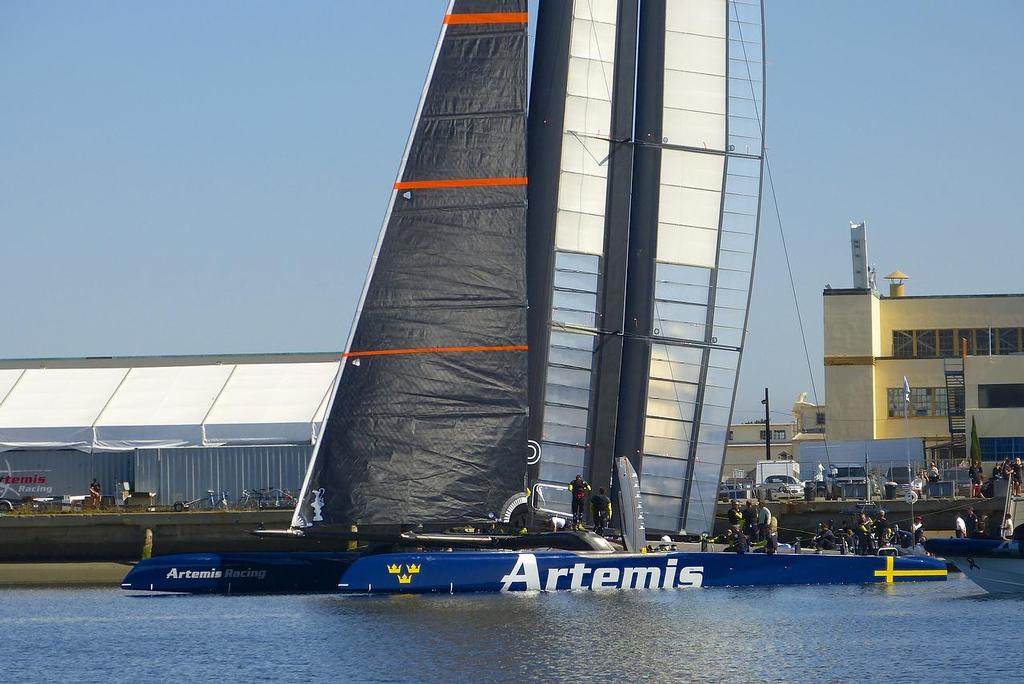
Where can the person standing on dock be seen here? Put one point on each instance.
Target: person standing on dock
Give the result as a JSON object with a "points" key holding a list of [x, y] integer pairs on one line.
{"points": [[578, 489], [976, 477], [601, 509], [1007, 529], [95, 493]]}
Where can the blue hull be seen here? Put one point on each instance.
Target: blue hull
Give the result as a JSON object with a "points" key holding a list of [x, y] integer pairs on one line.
{"points": [[240, 573], [503, 571]]}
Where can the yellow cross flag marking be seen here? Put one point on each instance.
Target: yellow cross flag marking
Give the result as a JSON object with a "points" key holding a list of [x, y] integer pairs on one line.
{"points": [[891, 573]]}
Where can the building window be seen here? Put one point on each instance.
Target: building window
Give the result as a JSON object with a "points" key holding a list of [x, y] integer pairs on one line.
{"points": [[925, 343], [778, 435], [1007, 340], [983, 341], [1001, 396], [762, 435], [949, 342], [946, 347], [925, 402], [731, 438], [903, 344], [819, 418], [998, 448]]}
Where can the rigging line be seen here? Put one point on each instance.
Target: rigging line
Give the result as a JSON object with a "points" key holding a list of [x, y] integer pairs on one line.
{"points": [[579, 139], [778, 213]]}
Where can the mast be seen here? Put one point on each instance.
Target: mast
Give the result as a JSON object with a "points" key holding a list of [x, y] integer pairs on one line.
{"points": [[692, 238], [427, 420]]}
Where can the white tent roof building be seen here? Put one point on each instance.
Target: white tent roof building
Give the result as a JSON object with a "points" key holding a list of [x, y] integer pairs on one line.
{"points": [[120, 404]]}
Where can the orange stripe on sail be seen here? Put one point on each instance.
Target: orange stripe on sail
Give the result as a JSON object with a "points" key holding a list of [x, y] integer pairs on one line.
{"points": [[460, 183], [433, 350], [488, 18]]}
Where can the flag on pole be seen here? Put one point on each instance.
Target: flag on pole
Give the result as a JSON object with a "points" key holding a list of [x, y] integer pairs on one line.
{"points": [[906, 390]]}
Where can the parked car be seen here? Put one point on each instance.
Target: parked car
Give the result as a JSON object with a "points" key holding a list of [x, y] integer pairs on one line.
{"points": [[735, 490], [9, 503], [781, 487]]}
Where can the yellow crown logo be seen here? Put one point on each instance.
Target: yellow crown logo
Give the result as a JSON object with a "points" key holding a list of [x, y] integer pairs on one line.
{"points": [[394, 569], [413, 569], [404, 579]]}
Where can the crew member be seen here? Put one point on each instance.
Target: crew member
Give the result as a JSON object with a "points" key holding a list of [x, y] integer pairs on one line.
{"points": [[750, 520], [918, 530], [578, 488], [865, 531], [95, 493], [601, 509], [734, 514], [825, 539], [764, 523], [737, 540], [883, 529]]}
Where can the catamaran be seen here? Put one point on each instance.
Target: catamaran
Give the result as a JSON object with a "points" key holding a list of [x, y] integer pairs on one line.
{"points": [[552, 294]]}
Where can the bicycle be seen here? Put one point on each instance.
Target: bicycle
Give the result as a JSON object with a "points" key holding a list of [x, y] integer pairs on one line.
{"points": [[283, 498], [208, 502], [252, 499]]}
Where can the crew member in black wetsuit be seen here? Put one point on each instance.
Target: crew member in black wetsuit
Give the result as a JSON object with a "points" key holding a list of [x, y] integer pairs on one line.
{"points": [[735, 515], [750, 520], [578, 489], [737, 541], [601, 509]]}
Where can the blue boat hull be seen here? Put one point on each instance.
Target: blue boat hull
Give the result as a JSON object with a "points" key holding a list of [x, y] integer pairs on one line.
{"points": [[505, 571], [240, 573]]}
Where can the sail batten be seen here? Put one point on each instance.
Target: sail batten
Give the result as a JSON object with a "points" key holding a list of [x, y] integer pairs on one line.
{"points": [[427, 422]]}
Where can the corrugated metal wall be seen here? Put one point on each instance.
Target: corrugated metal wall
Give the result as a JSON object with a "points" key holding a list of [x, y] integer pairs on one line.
{"points": [[186, 474], [60, 472]]}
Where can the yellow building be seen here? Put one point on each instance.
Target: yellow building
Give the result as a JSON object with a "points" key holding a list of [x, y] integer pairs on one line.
{"points": [[872, 342]]}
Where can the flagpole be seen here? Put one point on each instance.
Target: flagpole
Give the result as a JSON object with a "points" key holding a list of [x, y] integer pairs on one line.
{"points": [[910, 472]]}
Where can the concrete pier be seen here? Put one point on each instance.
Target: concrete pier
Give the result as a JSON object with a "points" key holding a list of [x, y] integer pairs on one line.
{"points": [[121, 537]]}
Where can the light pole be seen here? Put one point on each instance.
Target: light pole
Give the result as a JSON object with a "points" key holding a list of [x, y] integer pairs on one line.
{"points": [[767, 427]]}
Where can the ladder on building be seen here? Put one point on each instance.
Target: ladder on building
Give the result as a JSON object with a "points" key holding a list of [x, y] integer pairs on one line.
{"points": [[955, 406]]}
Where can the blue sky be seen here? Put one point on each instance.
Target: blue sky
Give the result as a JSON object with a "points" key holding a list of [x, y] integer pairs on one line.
{"points": [[210, 177]]}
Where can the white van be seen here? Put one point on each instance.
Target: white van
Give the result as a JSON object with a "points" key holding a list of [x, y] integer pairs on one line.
{"points": [[852, 477]]}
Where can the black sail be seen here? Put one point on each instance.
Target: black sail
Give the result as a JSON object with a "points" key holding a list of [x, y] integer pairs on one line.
{"points": [[428, 419]]}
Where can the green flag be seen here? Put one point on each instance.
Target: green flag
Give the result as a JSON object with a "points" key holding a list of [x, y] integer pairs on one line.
{"points": [[975, 445]]}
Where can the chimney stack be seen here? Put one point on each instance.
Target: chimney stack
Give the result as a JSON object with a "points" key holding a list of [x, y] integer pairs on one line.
{"points": [[896, 279]]}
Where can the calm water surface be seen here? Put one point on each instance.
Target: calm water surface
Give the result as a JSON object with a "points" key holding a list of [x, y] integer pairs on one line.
{"points": [[785, 634]]}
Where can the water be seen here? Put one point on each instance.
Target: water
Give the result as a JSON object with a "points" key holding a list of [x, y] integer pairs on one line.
{"points": [[794, 634]]}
